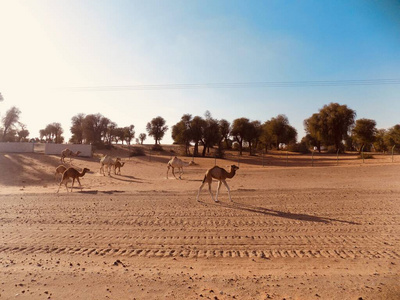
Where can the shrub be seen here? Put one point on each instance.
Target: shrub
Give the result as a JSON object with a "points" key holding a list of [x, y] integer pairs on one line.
{"points": [[299, 147], [157, 148], [366, 156], [137, 151]]}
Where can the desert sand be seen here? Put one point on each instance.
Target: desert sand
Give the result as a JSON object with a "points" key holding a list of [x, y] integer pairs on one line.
{"points": [[292, 231]]}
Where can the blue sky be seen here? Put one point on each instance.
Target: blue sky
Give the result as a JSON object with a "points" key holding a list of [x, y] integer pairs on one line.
{"points": [[47, 47]]}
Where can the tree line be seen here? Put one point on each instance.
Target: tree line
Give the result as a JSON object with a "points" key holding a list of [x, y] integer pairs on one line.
{"points": [[334, 127]]}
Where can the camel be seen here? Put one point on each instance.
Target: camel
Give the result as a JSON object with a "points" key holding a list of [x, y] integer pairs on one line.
{"points": [[68, 153], [118, 165], [74, 174], [179, 164], [220, 174], [109, 162], [60, 170]]}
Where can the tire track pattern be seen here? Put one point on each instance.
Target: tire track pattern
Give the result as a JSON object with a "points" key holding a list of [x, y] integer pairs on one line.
{"points": [[187, 253], [150, 225]]}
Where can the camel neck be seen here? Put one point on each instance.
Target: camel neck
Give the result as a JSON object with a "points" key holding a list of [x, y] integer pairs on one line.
{"points": [[231, 173]]}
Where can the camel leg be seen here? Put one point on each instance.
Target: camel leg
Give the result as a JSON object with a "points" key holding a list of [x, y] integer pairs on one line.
{"points": [[59, 186], [167, 170], [80, 185], [173, 172], [229, 191], [65, 181], [198, 193], [209, 190], [218, 187], [180, 173], [73, 181]]}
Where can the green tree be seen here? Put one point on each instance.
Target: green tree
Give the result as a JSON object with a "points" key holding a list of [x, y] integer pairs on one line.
{"points": [[157, 128], [224, 132], [197, 126], [364, 132], [239, 131], [253, 135], [281, 131], [181, 132], [313, 128], [336, 121], [266, 137], [392, 138], [210, 136], [379, 143]]}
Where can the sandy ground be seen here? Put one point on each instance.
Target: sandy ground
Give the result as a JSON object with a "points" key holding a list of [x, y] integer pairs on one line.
{"points": [[293, 231]]}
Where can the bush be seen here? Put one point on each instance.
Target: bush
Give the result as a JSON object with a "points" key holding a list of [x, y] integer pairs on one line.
{"points": [[299, 147], [366, 156], [157, 148], [136, 151]]}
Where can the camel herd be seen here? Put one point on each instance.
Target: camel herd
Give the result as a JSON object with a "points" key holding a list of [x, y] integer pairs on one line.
{"points": [[108, 162]]}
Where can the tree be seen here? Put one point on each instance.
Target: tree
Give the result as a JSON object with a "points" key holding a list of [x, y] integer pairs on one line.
{"points": [[181, 132], [313, 128], [197, 126], [364, 132], [266, 137], [23, 133], [253, 135], [111, 132], [142, 138], [95, 128], [239, 131], [336, 121], [278, 131], [129, 133], [210, 135], [77, 129], [379, 143], [224, 131], [157, 128], [9, 121], [392, 138]]}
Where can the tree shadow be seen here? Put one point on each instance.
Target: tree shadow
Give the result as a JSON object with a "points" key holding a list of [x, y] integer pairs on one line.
{"points": [[281, 214]]}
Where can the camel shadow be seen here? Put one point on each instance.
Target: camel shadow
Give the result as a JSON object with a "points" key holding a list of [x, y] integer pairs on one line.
{"points": [[111, 192], [126, 178], [281, 214]]}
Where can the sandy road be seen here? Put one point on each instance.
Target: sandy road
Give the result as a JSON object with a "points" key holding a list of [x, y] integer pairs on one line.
{"points": [[292, 233]]}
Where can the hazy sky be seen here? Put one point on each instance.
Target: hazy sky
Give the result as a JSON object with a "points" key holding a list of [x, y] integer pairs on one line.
{"points": [[58, 58]]}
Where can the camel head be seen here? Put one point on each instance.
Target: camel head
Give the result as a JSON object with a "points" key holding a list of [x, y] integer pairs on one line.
{"points": [[234, 168]]}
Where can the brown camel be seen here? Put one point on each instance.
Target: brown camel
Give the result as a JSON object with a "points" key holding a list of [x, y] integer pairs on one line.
{"points": [[118, 165], [220, 174], [60, 170], [74, 174], [68, 153]]}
